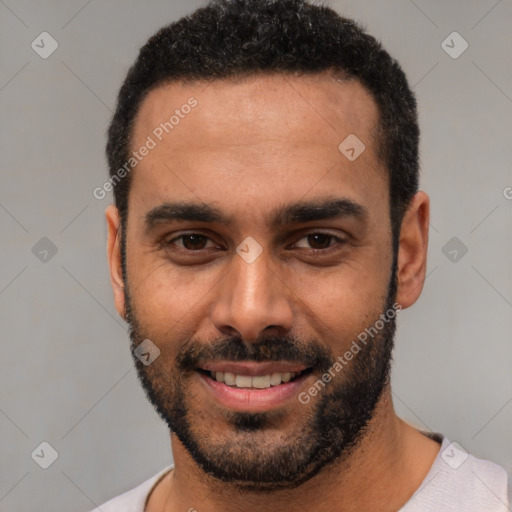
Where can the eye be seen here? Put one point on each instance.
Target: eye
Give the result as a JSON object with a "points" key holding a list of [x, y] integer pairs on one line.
{"points": [[319, 241], [192, 242]]}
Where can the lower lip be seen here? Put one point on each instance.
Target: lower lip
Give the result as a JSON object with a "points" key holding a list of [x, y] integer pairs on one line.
{"points": [[253, 400]]}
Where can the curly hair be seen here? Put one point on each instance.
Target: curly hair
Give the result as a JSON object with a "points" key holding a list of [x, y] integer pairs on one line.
{"points": [[227, 38]]}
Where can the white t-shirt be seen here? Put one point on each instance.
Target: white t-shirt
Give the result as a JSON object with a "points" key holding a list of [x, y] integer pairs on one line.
{"points": [[456, 482]]}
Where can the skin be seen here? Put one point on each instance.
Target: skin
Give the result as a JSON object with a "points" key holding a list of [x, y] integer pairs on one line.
{"points": [[249, 147]]}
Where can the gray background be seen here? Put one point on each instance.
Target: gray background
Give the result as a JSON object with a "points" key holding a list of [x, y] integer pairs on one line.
{"points": [[66, 372]]}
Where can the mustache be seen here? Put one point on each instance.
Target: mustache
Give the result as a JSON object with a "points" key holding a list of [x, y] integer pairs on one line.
{"points": [[269, 349]]}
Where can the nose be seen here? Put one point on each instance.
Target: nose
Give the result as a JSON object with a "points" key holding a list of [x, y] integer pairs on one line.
{"points": [[252, 298]]}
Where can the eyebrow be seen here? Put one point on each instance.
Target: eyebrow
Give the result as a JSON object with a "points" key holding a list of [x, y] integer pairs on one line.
{"points": [[300, 212]]}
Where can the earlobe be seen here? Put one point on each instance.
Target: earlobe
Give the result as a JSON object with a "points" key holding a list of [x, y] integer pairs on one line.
{"points": [[114, 258], [412, 252]]}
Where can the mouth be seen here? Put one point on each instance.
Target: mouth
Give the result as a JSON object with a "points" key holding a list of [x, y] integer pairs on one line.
{"points": [[253, 386], [256, 381]]}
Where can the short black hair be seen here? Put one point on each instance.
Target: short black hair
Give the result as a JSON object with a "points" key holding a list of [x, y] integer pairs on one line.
{"points": [[229, 38]]}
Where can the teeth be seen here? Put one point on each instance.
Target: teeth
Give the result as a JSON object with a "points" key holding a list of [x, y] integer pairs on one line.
{"points": [[230, 379], [243, 381], [275, 379], [259, 382]]}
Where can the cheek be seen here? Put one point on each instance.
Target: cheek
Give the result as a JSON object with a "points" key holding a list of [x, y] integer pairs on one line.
{"points": [[341, 302], [167, 298]]}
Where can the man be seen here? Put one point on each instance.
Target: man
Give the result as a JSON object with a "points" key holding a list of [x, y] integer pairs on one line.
{"points": [[267, 230]]}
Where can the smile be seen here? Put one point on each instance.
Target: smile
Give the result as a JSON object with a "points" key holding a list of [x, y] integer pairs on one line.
{"points": [[256, 382], [252, 386]]}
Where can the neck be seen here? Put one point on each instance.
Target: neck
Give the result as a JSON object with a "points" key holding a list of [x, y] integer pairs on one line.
{"points": [[391, 455]]}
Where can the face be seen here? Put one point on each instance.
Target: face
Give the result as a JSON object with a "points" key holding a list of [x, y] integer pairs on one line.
{"points": [[256, 254]]}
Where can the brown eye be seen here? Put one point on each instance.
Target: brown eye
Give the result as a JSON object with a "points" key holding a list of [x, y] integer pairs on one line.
{"points": [[318, 241], [192, 242]]}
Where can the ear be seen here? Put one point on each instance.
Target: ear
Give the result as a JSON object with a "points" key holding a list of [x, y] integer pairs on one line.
{"points": [[114, 258], [412, 252]]}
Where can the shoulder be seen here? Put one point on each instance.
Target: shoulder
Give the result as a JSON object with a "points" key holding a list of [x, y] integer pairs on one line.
{"points": [[133, 500], [461, 481]]}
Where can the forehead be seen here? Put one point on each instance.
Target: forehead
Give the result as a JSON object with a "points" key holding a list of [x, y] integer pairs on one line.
{"points": [[275, 104], [264, 135]]}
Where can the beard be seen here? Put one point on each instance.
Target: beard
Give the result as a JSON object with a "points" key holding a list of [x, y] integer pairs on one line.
{"points": [[252, 451]]}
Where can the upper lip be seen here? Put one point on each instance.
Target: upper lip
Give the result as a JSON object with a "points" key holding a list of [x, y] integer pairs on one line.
{"points": [[252, 368]]}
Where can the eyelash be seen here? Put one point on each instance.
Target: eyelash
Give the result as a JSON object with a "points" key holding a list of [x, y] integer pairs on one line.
{"points": [[336, 239]]}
